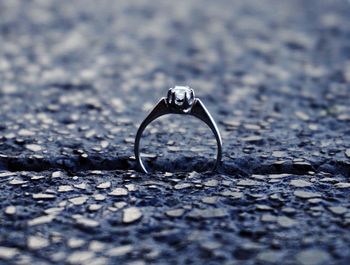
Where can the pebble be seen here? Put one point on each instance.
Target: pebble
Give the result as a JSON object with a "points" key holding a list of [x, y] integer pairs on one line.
{"points": [[94, 207], [181, 186], [37, 242], [17, 182], [75, 242], [270, 257], [339, 210], [10, 210], [7, 253], [120, 250], [33, 147], [41, 220], [253, 139], [208, 213], [300, 183], [86, 222], [248, 182], [342, 185], [306, 194], [43, 196], [313, 257], [211, 183], [80, 257], [104, 185], [268, 218], [286, 222], [65, 188], [118, 192], [99, 197], [210, 199], [175, 212], [78, 200], [131, 215]]}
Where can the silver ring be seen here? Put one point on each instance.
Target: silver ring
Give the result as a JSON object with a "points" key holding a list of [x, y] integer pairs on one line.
{"points": [[180, 100]]}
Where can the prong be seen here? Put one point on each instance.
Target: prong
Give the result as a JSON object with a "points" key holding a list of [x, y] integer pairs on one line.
{"points": [[186, 102], [173, 97], [192, 94], [169, 94]]}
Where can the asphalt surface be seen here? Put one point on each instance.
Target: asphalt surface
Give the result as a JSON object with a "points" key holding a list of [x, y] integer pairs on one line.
{"points": [[78, 77]]}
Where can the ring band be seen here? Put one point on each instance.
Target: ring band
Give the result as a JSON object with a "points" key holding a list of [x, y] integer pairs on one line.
{"points": [[180, 100]]}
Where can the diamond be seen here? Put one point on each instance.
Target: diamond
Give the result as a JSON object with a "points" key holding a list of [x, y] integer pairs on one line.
{"points": [[181, 98]]}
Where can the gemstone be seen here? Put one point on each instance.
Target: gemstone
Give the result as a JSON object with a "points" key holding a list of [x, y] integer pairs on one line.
{"points": [[181, 98]]}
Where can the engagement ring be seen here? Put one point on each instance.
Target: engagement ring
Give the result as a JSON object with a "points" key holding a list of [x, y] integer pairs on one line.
{"points": [[180, 100]]}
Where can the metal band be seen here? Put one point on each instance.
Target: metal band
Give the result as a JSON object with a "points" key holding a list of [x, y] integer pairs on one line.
{"points": [[198, 110]]}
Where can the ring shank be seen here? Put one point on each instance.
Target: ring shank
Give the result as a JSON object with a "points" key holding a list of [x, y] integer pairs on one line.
{"points": [[198, 110]]}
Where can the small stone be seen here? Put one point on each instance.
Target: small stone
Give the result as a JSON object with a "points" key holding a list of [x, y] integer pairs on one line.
{"points": [[211, 183], [94, 207], [208, 213], [65, 188], [210, 199], [306, 194], [181, 186], [86, 222], [268, 218], [17, 182], [99, 197], [36, 242], [104, 185], [78, 200], [41, 220], [175, 212], [210, 245], [131, 215], [37, 177], [339, 210], [286, 222], [56, 174], [43, 196], [279, 154], [80, 257], [54, 210], [7, 174], [120, 205], [10, 210], [75, 242], [313, 257], [301, 115], [300, 183], [342, 185], [278, 176], [119, 251], [252, 139], [97, 246], [119, 192], [248, 182], [8, 253], [81, 186], [131, 187], [232, 194], [269, 257], [263, 207], [34, 147]]}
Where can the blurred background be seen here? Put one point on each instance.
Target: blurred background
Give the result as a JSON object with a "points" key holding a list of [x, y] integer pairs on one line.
{"points": [[78, 77]]}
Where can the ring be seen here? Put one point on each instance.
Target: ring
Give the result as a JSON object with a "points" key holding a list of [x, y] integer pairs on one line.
{"points": [[180, 100]]}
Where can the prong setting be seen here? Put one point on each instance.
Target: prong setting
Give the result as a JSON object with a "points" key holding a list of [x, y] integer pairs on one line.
{"points": [[181, 98]]}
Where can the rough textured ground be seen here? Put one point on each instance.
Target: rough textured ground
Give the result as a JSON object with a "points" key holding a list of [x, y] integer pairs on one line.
{"points": [[78, 77]]}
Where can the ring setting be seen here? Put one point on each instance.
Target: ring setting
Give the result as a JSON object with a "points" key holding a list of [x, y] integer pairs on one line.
{"points": [[179, 100]]}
